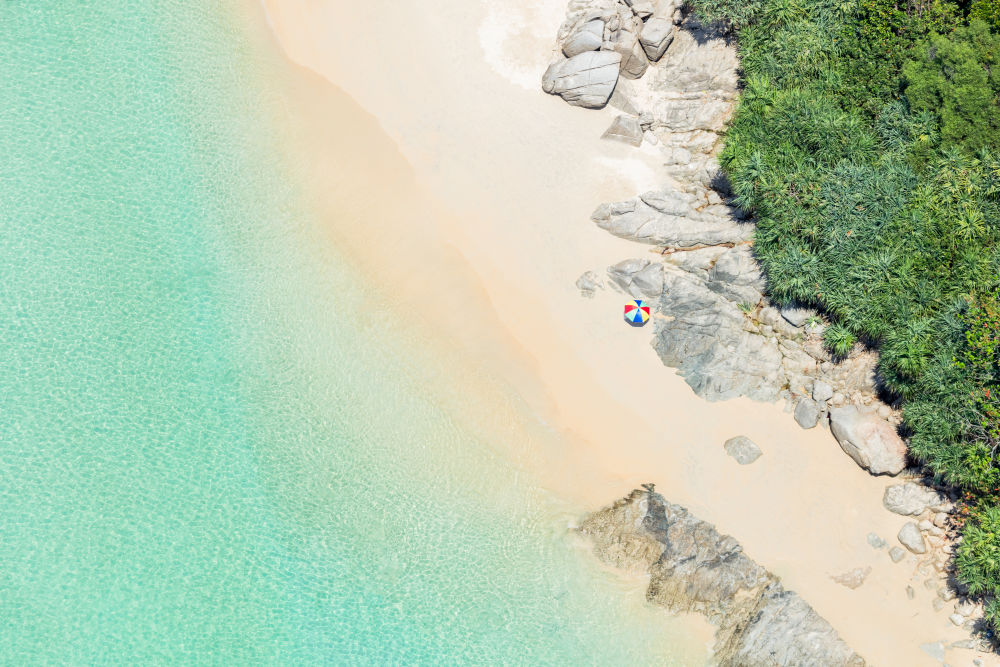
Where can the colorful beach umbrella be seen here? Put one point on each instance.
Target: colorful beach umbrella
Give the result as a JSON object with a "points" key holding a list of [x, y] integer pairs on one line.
{"points": [[637, 312]]}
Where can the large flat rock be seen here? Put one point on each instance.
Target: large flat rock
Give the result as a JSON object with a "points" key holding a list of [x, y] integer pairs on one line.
{"points": [[674, 218]]}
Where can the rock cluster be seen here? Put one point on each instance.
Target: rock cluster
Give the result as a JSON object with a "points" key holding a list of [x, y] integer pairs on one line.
{"points": [[603, 40], [676, 84], [586, 80], [675, 87], [692, 568]]}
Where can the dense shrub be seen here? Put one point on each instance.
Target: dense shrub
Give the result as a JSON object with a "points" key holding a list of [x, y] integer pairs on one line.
{"points": [[957, 76], [865, 146], [987, 11]]}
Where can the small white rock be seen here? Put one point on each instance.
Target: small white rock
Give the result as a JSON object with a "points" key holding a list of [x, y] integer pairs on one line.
{"points": [[743, 449], [910, 537]]}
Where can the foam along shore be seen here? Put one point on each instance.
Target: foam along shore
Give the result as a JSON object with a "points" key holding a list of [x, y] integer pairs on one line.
{"points": [[514, 175]]}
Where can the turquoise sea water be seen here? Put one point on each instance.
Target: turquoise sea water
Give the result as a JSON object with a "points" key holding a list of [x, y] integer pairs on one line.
{"points": [[212, 447]]}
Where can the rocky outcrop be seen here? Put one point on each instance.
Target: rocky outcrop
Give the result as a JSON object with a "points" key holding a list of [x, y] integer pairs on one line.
{"points": [[636, 31], [585, 80], [715, 323], [807, 413], [672, 218], [868, 439], [693, 568]]}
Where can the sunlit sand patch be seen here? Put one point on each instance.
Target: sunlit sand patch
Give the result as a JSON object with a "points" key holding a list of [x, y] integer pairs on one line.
{"points": [[514, 45], [634, 172]]}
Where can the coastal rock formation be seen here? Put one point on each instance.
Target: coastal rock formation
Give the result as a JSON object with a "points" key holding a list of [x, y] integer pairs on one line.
{"points": [[714, 322], [868, 439], [587, 37], [672, 218], [585, 80], [693, 568], [719, 330]]}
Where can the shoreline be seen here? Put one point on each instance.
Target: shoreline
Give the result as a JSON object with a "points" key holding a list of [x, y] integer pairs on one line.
{"points": [[512, 237]]}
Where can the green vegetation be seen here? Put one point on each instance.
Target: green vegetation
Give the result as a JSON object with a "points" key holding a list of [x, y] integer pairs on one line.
{"points": [[867, 145]]}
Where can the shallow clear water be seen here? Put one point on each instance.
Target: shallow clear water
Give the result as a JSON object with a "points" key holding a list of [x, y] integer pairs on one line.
{"points": [[212, 447]]}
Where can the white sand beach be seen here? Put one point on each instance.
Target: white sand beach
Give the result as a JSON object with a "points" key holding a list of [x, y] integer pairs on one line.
{"points": [[473, 187]]}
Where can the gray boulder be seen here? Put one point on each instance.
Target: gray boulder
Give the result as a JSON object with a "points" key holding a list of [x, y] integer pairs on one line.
{"points": [[910, 499], [588, 37], [821, 391], [743, 449], [807, 413], [871, 441], [625, 129], [694, 568], [585, 80], [656, 36], [634, 62], [896, 554], [910, 537]]}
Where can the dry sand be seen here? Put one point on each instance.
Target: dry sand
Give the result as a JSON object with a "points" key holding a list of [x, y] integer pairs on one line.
{"points": [[489, 210]]}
